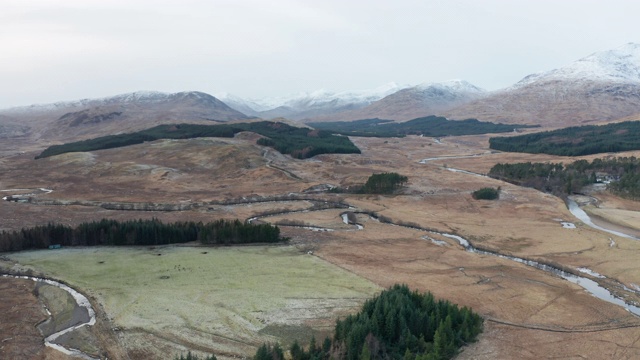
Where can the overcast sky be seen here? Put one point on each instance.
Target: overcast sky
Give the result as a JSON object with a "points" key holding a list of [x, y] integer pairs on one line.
{"points": [[53, 50]]}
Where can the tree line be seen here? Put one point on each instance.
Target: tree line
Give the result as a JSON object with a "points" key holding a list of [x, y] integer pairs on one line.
{"points": [[383, 183], [435, 126], [298, 142], [575, 140], [139, 232], [397, 324], [622, 173]]}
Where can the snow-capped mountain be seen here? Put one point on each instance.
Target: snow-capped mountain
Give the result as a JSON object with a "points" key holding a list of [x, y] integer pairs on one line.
{"points": [[310, 104], [601, 87], [412, 102], [617, 65], [116, 114], [138, 96]]}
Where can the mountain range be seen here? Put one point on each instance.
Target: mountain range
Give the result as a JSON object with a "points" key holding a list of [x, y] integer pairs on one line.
{"points": [[310, 104], [602, 87]]}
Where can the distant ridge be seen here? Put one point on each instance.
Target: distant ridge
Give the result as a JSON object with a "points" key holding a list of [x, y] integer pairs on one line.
{"points": [[310, 104], [601, 87], [115, 114], [417, 101]]}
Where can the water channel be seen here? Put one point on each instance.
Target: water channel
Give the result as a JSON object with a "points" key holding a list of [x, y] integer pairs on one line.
{"points": [[81, 301], [591, 286], [575, 209]]}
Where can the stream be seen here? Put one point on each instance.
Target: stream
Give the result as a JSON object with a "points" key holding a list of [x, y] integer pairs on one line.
{"points": [[575, 209], [81, 302], [591, 286]]}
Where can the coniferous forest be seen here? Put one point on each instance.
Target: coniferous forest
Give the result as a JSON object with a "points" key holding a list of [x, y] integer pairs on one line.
{"points": [[139, 232], [397, 324], [300, 143], [575, 140], [621, 173], [383, 183], [427, 126]]}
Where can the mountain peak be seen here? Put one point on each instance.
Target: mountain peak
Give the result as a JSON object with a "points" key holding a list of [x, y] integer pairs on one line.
{"points": [[621, 64], [456, 85]]}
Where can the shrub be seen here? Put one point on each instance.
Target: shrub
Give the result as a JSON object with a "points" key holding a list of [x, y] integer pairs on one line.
{"points": [[487, 193]]}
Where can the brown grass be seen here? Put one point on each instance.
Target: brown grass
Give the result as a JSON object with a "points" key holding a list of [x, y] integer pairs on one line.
{"points": [[539, 315]]}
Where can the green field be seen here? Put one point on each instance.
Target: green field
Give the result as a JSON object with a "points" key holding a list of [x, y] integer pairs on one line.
{"points": [[224, 299]]}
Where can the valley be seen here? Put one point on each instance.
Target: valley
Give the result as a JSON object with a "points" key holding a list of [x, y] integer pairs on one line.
{"points": [[529, 313], [551, 268]]}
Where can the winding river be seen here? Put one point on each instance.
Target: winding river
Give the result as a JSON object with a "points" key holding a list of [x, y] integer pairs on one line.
{"points": [[591, 286], [81, 302]]}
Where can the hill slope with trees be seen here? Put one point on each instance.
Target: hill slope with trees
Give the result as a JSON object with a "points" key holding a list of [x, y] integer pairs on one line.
{"points": [[574, 141], [435, 126], [300, 143]]}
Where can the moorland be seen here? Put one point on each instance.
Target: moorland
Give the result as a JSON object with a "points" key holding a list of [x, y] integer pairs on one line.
{"points": [[343, 248]]}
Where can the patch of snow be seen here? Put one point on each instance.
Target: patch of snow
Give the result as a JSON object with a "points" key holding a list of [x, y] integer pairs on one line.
{"points": [[568, 225]]}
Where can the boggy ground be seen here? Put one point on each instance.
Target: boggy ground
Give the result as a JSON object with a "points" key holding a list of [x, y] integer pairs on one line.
{"points": [[530, 314]]}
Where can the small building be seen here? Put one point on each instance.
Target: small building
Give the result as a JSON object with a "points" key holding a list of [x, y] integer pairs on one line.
{"points": [[55, 246]]}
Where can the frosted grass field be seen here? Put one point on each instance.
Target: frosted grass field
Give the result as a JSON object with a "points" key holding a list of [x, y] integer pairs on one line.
{"points": [[204, 295]]}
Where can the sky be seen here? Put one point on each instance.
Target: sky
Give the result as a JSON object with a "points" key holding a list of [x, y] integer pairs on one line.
{"points": [[58, 50]]}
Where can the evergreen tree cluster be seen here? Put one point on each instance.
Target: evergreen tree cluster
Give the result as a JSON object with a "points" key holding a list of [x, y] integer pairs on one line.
{"points": [[191, 356], [486, 193], [435, 126], [397, 324], [138, 232], [384, 183], [300, 143], [554, 178], [574, 141], [623, 174]]}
